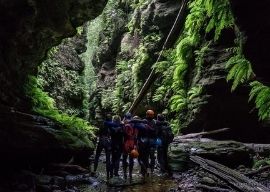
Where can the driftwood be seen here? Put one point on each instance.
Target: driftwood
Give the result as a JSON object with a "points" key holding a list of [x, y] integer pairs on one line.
{"points": [[232, 177], [254, 172], [194, 135]]}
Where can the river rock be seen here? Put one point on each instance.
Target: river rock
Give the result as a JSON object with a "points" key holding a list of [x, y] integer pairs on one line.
{"points": [[229, 153], [32, 139]]}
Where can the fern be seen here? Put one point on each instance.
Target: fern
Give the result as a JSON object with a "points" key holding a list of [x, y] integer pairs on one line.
{"points": [[122, 66], [261, 94], [240, 70], [161, 66], [179, 101], [159, 93], [194, 92], [220, 15]]}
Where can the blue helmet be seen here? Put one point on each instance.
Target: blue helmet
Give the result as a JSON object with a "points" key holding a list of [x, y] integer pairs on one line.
{"points": [[128, 115]]}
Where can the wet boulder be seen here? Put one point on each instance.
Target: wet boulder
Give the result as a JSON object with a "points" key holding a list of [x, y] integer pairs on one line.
{"points": [[229, 153]]}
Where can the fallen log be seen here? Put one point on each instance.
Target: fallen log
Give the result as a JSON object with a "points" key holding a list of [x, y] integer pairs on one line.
{"points": [[193, 135], [232, 177]]}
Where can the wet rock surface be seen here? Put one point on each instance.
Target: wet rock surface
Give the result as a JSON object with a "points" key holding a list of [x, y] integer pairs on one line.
{"points": [[33, 140], [229, 153]]}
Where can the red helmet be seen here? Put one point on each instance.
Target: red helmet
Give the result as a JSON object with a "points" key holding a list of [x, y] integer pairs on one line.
{"points": [[150, 113]]}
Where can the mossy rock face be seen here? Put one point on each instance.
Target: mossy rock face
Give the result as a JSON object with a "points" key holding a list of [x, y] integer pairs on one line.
{"points": [[229, 153], [39, 141], [30, 28], [65, 66]]}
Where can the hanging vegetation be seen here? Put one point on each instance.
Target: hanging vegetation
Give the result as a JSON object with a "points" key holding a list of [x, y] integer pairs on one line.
{"points": [[261, 95], [44, 105], [240, 70], [204, 17]]}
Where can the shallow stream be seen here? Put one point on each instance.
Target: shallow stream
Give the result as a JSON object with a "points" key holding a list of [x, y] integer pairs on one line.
{"points": [[155, 183]]}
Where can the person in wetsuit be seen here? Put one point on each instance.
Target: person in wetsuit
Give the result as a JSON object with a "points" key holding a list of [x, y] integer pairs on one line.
{"points": [[104, 142], [116, 131], [130, 143], [147, 146], [166, 136]]}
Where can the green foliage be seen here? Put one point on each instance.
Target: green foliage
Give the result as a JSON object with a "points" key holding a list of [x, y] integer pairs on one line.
{"points": [[159, 93], [217, 14], [122, 66], [175, 125], [204, 16], [194, 92], [89, 77], [179, 101], [183, 98], [220, 15], [140, 59], [261, 162], [69, 86], [53, 51], [166, 69], [79, 30], [139, 3], [200, 53], [44, 105], [240, 70], [123, 92], [107, 99], [261, 94]]}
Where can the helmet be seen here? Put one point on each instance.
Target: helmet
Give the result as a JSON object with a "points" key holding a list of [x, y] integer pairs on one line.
{"points": [[158, 142], [136, 117], [128, 115], [160, 117], [150, 114], [134, 153]]}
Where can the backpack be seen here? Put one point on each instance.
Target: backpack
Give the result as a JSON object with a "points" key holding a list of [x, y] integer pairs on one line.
{"points": [[151, 129], [130, 137], [167, 134]]}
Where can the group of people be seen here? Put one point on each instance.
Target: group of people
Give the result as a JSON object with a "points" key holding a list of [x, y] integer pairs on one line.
{"points": [[132, 138]]}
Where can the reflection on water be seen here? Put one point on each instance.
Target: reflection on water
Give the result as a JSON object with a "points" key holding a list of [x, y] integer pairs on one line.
{"points": [[155, 183]]}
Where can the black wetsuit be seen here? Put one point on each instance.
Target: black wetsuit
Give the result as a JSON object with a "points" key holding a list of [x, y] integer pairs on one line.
{"points": [[104, 143], [164, 131], [147, 146], [117, 145]]}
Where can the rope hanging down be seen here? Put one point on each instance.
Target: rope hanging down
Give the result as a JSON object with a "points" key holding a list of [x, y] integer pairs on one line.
{"points": [[153, 75]]}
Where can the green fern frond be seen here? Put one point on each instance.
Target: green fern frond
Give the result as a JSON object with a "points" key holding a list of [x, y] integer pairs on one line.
{"points": [[240, 70], [194, 92], [160, 93], [261, 94]]}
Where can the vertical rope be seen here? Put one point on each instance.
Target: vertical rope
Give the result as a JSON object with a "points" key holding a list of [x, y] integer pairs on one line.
{"points": [[153, 75]]}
